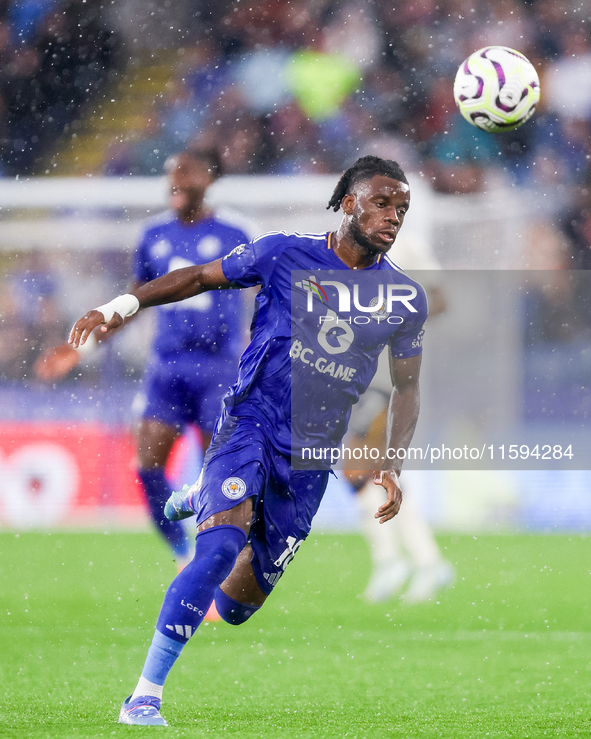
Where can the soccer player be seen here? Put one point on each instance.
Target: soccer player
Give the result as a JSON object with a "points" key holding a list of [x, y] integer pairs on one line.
{"points": [[197, 343], [316, 339]]}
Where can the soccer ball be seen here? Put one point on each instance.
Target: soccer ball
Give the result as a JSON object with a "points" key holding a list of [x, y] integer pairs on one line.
{"points": [[496, 89]]}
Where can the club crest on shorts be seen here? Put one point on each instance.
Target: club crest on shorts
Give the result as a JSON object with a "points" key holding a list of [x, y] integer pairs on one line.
{"points": [[233, 488]]}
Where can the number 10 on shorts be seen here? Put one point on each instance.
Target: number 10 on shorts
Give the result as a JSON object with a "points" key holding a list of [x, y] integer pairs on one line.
{"points": [[292, 547]]}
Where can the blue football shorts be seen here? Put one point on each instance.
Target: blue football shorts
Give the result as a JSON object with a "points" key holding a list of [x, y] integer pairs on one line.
{"points": [[186, 389], [241, 463]]}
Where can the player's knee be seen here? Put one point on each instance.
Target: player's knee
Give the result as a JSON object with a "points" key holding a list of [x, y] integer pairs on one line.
{"points": [[231, 610], [221, 546]]}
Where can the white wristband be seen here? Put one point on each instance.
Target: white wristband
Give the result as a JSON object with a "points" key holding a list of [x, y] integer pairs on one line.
{"points": [[125, 305], [88, 347]]}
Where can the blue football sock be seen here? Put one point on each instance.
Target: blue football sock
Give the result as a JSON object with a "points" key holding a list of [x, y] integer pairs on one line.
{"points": [[232, 611], [162, 655], [158, 491], [191, 592]]}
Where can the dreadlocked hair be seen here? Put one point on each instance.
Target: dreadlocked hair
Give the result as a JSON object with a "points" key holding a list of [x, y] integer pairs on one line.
{"points": [[364, 169]]}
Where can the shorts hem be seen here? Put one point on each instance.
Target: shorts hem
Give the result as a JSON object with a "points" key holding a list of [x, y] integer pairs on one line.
{"points": [[231, 504]]}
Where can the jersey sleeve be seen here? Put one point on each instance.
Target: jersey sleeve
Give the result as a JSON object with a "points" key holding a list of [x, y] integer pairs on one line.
{"points": [[142, 267], [408, 340], [253, 263]]}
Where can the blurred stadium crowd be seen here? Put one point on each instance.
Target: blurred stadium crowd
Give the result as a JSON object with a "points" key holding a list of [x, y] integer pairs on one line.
{"points": [[289, 86], [303, 86], [54, 57]]}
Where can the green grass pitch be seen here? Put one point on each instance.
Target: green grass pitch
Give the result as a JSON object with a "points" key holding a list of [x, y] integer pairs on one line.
{"points": [[505, 653]]}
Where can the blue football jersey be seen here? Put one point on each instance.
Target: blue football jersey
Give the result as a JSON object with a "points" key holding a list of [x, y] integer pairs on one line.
{"points": [[210, 322], [318, 330]]}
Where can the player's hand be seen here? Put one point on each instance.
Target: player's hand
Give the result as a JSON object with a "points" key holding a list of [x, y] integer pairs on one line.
{"points": [[56, 362], [388, 479], [86, 325]]}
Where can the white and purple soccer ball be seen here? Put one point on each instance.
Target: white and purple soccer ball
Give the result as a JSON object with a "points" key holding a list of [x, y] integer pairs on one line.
{"points": [[497, 89]]}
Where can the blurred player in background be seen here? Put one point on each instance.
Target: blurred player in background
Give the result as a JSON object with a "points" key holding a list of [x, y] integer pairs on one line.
{"points": [[197, 343], [405, 550], [254, 503]]}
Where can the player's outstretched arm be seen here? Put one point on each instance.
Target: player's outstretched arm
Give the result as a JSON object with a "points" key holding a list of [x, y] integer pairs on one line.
{"points": [[181, 284], [170, 288], [403, 413]]}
